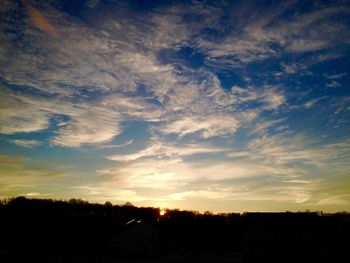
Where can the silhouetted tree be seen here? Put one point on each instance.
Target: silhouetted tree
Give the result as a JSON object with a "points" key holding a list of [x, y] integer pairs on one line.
{"points": [[71, 230]]}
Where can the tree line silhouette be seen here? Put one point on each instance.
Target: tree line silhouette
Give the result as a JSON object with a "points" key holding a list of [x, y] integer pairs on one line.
{"points": [[48, 230]]}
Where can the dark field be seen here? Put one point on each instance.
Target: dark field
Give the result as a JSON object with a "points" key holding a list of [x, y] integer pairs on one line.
{"points": [[77, 231]]}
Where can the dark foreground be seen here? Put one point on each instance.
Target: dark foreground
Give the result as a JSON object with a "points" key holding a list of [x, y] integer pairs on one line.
{"points": [[76, 231]]}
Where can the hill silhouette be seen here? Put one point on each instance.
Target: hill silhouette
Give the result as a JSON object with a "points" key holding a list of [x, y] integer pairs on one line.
{"points": [[78, 231]]}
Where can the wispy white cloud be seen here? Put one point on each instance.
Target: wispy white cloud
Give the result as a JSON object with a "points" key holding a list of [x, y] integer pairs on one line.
{"points": [[268, 98], [93, 126], [333, 84], [26, 143], [261, 172], [109, 146], [335, 76], [268, 35], [293, 68], [205, 126], [311, 103], [162, 150], [282, 193], [37, 194], [102, 193], [273, 98], [200, 194], [86, 124], [334, 200], [82, 58], [17, 116], [262, 126], [171, 179], [282, 150], [122, 58]]}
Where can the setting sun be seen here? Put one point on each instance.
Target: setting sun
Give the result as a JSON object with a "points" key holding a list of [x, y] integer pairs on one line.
{"points": [[162, 212]]}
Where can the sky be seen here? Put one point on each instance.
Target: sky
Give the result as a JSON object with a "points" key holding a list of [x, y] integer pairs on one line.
{"points": [[225, 106]]}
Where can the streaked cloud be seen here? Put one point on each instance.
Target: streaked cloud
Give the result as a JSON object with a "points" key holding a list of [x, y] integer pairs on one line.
{"points": [[91, 126], [267, 36], [206, 126], [116, 145], [311, 103], [333, 84], [26, 143], [335, 200], [262, 126], [20, 175], [17, 116], [20, 168], [177, 180], [335, 76], [162, 150], [282, 150], [36, 194]]}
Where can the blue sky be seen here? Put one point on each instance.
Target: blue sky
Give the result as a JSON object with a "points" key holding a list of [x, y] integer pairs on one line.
{"points": [[221, 106]]}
